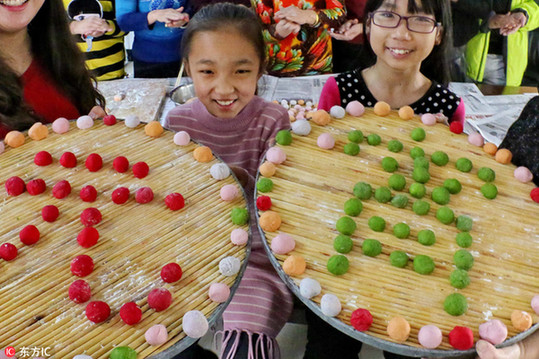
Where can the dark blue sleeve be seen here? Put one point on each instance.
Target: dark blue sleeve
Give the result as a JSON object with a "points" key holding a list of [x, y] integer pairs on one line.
{"points": [[128, 16]]}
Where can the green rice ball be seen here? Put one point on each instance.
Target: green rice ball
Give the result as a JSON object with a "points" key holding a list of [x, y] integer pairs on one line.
{"points": [[239, 216], [455, 304], [464, 223], [353, 207], [440, 195], [417, 190], [445, 215], [355, 136], [426, 237], [423, 264], [421, 207], [421, 175], [463, 259], [398, 259], [382, 194], [439, 158], [395, 146], [464, 165], [389, 164], [489, 190], [123, 353], [453, 185], [343, 244], [338, 264], [264, 185], [351, 149], [399, 201], [377, 224], [373, 139], [397, 182], [362, 190], [401, 230], [371, 247], [459, 278], [283, 137], [418, 134], [486, 174], [464, 239], [421, 162], [346, 225], [417, 152]]}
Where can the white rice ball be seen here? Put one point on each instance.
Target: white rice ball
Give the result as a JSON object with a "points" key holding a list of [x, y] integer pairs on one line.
{"points": [[330, 305], [132, 121], [219, 171], [337, 111], [309, 288], [85, 122], [301, 127], [229, 266], [195, 324]]}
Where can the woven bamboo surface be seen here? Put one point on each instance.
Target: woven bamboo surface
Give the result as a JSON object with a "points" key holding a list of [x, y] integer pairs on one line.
{"points": [[136, 240], [309, 192]]}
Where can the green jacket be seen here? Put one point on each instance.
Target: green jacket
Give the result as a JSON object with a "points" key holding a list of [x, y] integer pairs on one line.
{"points": [[516, 55]]}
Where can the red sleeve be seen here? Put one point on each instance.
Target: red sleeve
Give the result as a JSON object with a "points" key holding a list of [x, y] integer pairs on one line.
{"points": [[460, 113], [330, 95]]}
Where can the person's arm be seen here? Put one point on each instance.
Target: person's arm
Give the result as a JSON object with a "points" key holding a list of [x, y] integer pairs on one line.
{"points": [[330, 95], [128, 16]]}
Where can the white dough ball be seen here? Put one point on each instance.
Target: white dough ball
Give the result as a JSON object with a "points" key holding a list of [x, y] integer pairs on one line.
{"points": [[219, 171], [301, 127], [229, 266], [85, 122], [284, 103], [293, 102], [132, 121], [195, 324], [337, 111], [82, 356], [182, 138], [309, 288], [330, 305]]}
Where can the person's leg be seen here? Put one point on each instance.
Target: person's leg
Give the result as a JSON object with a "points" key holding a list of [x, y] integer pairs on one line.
{"points": [[494, 70], [326, 342], [195, 351]]}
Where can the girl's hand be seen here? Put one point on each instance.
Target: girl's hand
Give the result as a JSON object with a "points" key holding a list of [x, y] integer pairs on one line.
{"points": [[485, 350], [97, 112], [93, 26], [179, 23], [294, 14], [285, 28], [348, 31], [166, 16]]}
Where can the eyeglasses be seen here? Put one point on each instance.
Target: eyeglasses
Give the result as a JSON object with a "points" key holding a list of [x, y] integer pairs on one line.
{"points": [[415, 23]]}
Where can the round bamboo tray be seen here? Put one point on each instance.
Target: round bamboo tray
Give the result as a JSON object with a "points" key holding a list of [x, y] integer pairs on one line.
{"points": [[136, 240], [309, 191]]}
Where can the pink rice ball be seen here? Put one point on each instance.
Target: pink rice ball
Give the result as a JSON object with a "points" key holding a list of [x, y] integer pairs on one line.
{"points": [[60, 125], [182, 138], [523, 174], [229, 192], [85, 122], [428, 119], [156, 335], [430, 336], [355, 108], [476, 139], [195, 324], [493, 331], [535, 304], [276, 155], [283, 244], [325, 141], [219, 292], [239, 236]]}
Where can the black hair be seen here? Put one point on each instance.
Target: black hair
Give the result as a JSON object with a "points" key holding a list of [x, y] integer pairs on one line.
{"points": [[52, 45], [77, 7], [218, 17], [436, 65]]}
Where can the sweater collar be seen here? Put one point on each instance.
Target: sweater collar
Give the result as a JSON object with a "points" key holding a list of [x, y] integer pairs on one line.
{"points": [[240, 122]]}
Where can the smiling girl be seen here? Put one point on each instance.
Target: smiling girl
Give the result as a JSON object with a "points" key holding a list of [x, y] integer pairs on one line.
{"points": [[223, 51], [406, 42]]}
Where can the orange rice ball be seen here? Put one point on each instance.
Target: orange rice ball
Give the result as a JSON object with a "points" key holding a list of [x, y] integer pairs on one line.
{"points": [[490, 148], [38, 131], [291, 118], [301, 102], [320, 117], [270, 221], [203, 154], [503, 156], [382, 108], [398, 329], [521, 320], [406, 112], [153, 129], [275, 101], [14, 139], [267, 169], [294, 265]]}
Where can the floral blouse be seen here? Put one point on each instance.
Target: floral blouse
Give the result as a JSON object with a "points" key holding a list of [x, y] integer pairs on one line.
{"points": [[309, 51]]}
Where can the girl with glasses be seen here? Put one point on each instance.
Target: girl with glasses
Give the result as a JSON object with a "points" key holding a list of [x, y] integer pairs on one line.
{"points": [[406, 59]]}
